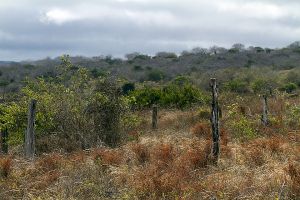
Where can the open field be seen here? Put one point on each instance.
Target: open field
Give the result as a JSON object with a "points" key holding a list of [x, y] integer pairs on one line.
{"points": [[172, 162]]}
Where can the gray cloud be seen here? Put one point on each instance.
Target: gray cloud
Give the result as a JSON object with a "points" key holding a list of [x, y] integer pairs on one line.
{"points": [[31, 29]]}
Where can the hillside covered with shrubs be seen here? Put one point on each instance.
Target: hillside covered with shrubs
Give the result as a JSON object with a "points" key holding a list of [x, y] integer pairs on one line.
{"points": [[94, 137]]}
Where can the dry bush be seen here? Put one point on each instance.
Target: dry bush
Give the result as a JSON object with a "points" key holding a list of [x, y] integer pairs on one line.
{"points": [[6, 166], [133, 135], [108, 156], [255, 157], [198, 156], [274, 144], [141, 152], [78, 157], [177, 120], [226, 152], [201, 130], [47, 179], [49, 162], [294, 172], [163, 152], [224, 137], [169, 174]]}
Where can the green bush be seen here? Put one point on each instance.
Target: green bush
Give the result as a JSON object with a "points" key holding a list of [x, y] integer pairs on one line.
{"points": [[290, 87], [236, 86], [240, 126], [73, 107], [155, 75], [177, 94]]}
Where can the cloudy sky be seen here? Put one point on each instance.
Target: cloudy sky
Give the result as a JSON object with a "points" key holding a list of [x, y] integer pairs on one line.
{"points": [[33, 29]]}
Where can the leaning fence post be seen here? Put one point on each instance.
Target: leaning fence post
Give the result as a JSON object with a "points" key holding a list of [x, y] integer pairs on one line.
{"points": [[29, 137], [215, 120], [264, 117], [4, 137], [154, 116]]}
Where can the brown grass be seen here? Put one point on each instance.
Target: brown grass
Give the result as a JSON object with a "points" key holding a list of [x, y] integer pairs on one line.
{"points": [[201, 130], [141, 153], [167, 164], [108, 156], [293, 171], [6, 166]]}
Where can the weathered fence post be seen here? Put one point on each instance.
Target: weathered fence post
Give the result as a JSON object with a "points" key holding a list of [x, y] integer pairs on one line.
{"points": [[215, 120], [29, 137], [4, 137], [154, 116], [264, 117]]}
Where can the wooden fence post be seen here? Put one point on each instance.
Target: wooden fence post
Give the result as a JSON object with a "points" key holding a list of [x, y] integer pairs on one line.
{"points": [[215, 120], [264, 117], [4, 137], [154, 116], [29, 137]]}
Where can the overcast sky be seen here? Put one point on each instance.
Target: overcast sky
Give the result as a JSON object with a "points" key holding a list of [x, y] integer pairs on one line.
{"points": [[33, 29]]}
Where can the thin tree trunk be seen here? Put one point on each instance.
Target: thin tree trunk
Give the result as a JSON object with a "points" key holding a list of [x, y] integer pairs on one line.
{"points": [[29, 137], [264, 117], [215, 120], [154, 117]]}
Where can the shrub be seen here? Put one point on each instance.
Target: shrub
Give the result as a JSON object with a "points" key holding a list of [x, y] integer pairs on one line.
{"points": [[108, 156], [50, 162], [138, 68], [262, 86], [163, 152], [243, 129], [201, 130], [155, 75], [198, 157], [107, 107], [255, 157], [290, 87], [5, 166], [240, 126], [237, 86], [204, 113], [128, 87], [172, 95], [72, 107], [141, 152], [294, 172], [293, 116]]}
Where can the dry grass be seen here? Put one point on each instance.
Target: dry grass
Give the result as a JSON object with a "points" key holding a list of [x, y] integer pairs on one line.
{"points": [[5, 166], [170, 163], [294, 173]]}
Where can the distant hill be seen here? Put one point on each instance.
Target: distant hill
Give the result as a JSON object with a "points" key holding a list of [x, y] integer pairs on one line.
{"points": [[164, 65], [6, 62]]}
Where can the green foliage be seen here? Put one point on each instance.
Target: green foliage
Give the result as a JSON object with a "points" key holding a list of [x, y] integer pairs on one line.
{"points": [[236, 85], [293, 116], [73, 107], [127, 87], [233, 50], [261, 86], [290, 87], [145, 97], [177, 94], [138, 68], [4, 83], [155, 75], [98, 73], [240, 126], [107, 107], [243, 129]]}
